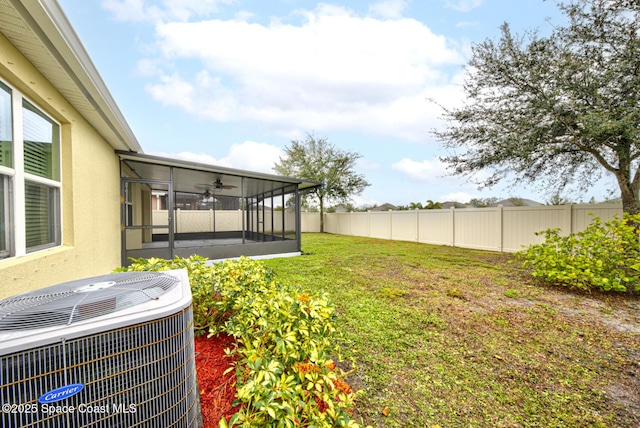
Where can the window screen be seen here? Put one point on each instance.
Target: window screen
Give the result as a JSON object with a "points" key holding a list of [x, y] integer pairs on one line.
{"points": [[6, 130], [5, 216], [41, 143], [41, 216]]}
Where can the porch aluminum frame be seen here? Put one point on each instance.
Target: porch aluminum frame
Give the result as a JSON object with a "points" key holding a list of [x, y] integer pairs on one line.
{"points": [[251, 189]]}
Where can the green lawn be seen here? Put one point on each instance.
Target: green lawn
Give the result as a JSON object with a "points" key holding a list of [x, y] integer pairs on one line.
{"points": [[452, 337]]}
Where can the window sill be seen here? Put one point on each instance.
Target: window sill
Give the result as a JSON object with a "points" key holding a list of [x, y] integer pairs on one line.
{"points": [[36, 255]]}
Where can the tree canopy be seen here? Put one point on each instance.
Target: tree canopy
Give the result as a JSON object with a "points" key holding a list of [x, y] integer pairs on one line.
{"points": [[429, 205], [319, 160], [557, 110]]}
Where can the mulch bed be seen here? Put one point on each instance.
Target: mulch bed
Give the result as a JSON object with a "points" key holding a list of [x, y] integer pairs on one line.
{"points": [[217, 390]]}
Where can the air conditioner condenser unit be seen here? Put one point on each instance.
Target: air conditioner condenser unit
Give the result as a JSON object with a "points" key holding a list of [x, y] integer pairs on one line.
{"points": [[110, 351]]}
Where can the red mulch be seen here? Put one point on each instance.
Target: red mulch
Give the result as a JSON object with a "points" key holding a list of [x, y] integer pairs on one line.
{"points": [[217, 391]]}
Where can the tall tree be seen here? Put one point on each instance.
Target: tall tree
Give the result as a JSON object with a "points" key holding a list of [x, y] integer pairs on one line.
{"points": [[558, 199], [557, 110], [319, 160], [483, 202]]}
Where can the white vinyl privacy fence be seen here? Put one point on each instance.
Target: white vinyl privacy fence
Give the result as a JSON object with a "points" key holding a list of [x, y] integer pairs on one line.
{"points": [[189, 221], [505, 229]]}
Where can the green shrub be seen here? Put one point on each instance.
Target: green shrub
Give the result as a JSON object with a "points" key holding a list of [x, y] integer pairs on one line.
{"points": [[202, 279], [284, 342], [604, 256]]}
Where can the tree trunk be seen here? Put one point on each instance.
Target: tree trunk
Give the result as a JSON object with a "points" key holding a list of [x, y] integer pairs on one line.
{"points": [[630, 203], [629, 195]]}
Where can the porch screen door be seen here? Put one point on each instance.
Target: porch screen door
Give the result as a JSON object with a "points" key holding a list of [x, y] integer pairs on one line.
{"points": [[147, 220]]}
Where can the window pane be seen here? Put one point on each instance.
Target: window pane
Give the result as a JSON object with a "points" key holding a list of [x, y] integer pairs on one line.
{"points": [[41, 143], [41, 215], [140, 205], [5, 215], [6, 131]]}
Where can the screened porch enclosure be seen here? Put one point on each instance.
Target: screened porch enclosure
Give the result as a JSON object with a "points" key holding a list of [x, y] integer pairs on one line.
{"points": [[181, 208]]}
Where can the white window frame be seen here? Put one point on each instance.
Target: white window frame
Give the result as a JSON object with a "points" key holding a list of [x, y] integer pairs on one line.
{"points": [[18, 176], [8, 212]]}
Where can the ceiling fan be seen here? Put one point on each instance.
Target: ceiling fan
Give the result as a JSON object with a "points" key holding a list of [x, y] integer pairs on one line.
{"points": [[216, 185]]}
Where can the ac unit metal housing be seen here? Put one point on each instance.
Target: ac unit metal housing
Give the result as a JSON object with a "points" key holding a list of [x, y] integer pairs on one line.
{"points": [[110, 351]]}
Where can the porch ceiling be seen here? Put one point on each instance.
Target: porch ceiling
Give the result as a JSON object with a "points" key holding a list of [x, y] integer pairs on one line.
{"points": [[191, 177]]}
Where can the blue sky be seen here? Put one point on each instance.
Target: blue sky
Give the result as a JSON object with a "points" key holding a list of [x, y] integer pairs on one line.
{"points": [[231, 82]]}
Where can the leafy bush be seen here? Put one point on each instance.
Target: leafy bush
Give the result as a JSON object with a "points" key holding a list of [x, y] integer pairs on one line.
{"points": [[285, 342], [202, 279], [605, 256]]}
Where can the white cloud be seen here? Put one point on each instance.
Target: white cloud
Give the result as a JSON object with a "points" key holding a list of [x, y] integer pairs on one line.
{"points": [[428, 171], [145, 10], [435, 174], [463, 5], [194, 157], [364, 201], [251, 156], [388, 8], [127, 10], [336, 71], [244, 15], [148, 68], [461, 197], [254, 156]]}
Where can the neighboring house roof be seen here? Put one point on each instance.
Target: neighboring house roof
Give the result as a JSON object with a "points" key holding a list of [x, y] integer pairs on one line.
{"points": [[447, 205], [521, 203], [42, 32], [385, 207]]}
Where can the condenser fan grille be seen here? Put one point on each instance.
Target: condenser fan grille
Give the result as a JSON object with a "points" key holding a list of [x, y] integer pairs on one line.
{"points": [[76, 301], [136, 376]]}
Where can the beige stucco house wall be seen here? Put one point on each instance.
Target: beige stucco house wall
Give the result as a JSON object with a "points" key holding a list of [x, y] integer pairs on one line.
{"points": [[90, 193], [46, 73]]}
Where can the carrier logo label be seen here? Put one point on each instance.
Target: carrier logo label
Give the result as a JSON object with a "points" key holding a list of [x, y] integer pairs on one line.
{"points": [[61, 393]]}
